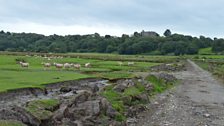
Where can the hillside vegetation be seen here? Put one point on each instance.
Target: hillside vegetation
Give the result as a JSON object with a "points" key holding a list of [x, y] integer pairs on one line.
{"points": [[138, 43]]}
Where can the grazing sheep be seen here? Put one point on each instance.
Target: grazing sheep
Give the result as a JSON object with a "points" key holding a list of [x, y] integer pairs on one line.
{"points": [[87, 65], [131, 63], [58, 65], [46, 65], [77, 66], [168, 64], [120, 63], [24, 64], [67, 65]]}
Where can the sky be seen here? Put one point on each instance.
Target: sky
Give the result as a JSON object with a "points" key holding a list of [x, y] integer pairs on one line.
{"points": [[114, 17]]}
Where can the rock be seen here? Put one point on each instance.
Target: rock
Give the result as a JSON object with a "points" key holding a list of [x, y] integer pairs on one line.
{"points": [[19, 114], [168, 78], [94, 88], [207, 115], [81, 110], [65, 89], [123, 84], [131, 121], [127, 100], [120, 87], [115, 123], [104, 104], [59, 114], [142, 97], [111, 112], [80, 97], [156, 103], [169, 67], [92, 108], [68, 122], [134, 110], [148, 87]]}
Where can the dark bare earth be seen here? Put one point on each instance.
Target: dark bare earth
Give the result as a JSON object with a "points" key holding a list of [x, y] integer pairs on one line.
{"points": [[197, 101]]}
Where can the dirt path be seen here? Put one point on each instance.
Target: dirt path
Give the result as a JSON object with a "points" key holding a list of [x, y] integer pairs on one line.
{"points": [[197, 101]]}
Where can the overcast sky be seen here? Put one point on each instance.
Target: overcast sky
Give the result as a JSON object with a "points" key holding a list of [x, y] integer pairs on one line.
{"points": [[115, 17]]}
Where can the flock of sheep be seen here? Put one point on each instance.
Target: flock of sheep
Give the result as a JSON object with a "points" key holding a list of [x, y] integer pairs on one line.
{"points": [[59, 66]]}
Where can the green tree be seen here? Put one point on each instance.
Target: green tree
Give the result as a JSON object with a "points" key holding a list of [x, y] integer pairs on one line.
{"points": [[167, 33]]}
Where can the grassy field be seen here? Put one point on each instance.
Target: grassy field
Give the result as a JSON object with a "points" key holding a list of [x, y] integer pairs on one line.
{"points": [[206, 51], [211, 63], [12, 76]]}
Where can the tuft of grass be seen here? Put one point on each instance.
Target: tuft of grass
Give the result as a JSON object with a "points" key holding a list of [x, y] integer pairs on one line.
{"points": [[120, 117], [158, 84], [131, 91], [119, 100], [42, 109], [11, 123]]}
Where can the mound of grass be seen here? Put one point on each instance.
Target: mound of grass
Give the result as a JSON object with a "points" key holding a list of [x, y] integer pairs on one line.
{"points": [[11, 123], [114, 98], [132, 91], [158, 84], [42, 109], [119, 100]]}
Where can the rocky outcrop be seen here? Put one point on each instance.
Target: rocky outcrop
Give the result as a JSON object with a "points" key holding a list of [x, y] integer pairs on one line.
{"points": [[83, 109], [169, 67], [19, 114], [121, 85], [167, 78]]}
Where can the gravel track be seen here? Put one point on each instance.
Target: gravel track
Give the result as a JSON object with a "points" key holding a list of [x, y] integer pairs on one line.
{"points": [[197, 101]]}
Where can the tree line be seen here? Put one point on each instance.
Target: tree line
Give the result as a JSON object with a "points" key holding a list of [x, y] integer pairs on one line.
{"points": [[171, 44]]}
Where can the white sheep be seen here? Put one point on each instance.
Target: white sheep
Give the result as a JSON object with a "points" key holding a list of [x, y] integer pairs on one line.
{"points": [[67, 65], [46, 65], [24, 64], [77, 66], [87, 65], [120, 63], [58, 65], [131, 63]]}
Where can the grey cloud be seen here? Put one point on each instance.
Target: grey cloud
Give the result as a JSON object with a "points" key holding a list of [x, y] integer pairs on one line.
{"points": [[187, 16]]}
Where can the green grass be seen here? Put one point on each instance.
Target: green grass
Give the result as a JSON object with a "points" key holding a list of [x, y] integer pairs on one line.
{"points": [[118, 100], [216, 66], [10, 123], [158, 84], [206, 51], [12, 76], [203, 65], [42, 109], [132, 91], [114, 98], [29, 78], [116, 75]]}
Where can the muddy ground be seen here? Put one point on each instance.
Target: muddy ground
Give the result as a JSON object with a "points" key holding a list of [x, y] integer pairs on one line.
{"points": [[197, 101]]}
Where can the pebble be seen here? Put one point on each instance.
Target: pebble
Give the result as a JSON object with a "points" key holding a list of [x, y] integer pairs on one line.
{"points": [[207, 115], [156, 103]]}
